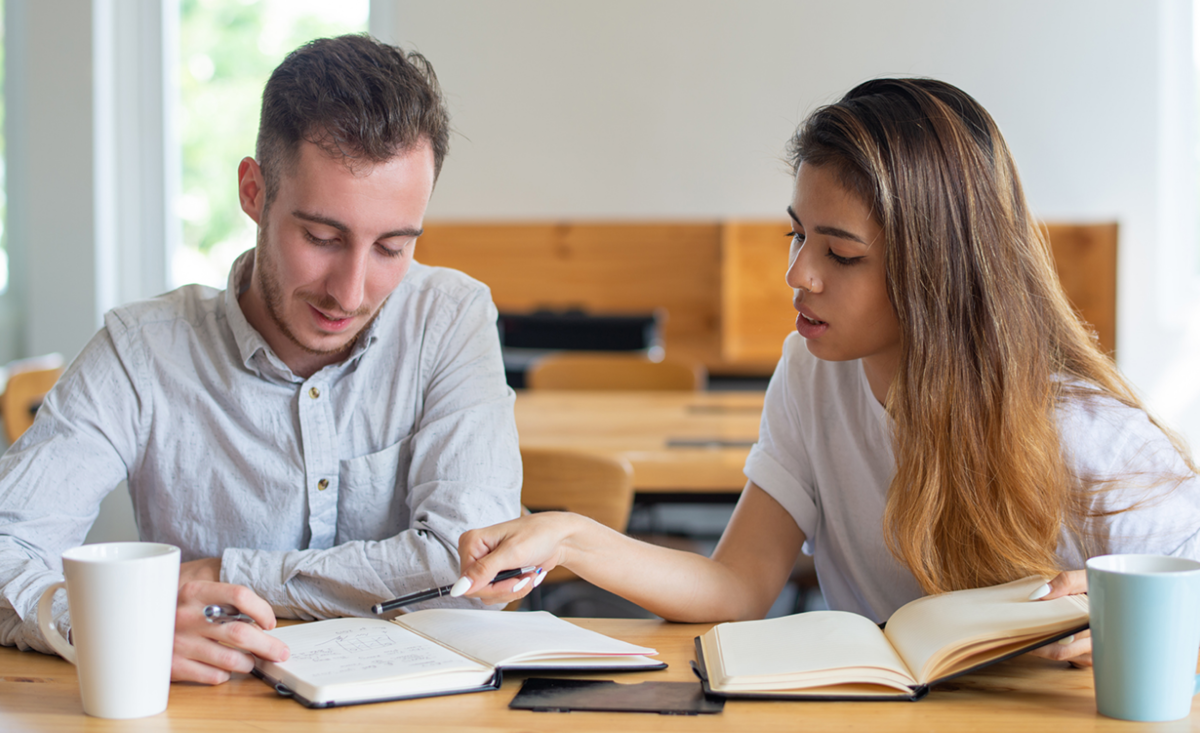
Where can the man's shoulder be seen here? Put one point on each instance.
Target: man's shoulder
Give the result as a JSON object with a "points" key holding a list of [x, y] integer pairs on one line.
{"points": [[428, 279], [191, 303]]}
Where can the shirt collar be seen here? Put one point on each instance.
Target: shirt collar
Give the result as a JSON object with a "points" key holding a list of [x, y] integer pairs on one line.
{"points": [[254, 349]]}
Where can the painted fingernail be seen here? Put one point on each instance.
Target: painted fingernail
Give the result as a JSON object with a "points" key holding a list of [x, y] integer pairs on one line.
{"points": [[1041, 592], [524, 582], [541, 575], [1066, 640], [462, 585]]}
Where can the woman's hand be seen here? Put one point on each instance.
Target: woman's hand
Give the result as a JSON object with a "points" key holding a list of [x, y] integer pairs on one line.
{"points": [[1076, 649], [536, 540]]}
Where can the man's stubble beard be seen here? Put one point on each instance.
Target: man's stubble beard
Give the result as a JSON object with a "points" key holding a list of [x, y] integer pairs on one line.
{"points": [[273, 298]]}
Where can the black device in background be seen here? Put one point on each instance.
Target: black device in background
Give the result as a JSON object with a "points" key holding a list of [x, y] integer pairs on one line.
{"points": [[525, 337]]}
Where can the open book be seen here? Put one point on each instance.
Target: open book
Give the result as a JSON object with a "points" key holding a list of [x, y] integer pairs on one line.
{"points": [[837, 655], [439, 651]]}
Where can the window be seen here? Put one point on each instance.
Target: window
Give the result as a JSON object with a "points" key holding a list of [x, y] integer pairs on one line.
{"points": [[3, 182], [227, 49]]}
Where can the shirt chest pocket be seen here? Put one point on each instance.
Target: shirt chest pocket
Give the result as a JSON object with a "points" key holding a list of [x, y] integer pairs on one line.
{"points": [[372, 492]]}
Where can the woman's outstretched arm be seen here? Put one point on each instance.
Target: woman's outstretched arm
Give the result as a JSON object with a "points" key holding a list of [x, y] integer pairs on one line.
{"points": [[742, 579]]}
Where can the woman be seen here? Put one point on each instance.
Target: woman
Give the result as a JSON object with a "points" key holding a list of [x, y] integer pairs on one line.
{"points": [[942, 420]]}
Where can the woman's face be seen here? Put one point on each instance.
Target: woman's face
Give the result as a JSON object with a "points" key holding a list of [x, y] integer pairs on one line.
{"points": [[836, 271]]}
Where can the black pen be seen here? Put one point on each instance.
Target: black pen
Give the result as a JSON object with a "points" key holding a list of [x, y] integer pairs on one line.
{"points": [[428, 595]]}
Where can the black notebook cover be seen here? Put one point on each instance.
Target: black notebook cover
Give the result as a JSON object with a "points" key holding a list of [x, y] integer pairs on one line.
{"points": [[542, 694]]}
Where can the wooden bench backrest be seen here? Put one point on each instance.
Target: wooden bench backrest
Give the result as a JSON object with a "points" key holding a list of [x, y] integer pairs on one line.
{"points": [[720, 283]]}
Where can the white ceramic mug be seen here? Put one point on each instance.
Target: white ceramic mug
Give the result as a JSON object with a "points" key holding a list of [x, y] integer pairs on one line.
{"points": [[122, 600]]}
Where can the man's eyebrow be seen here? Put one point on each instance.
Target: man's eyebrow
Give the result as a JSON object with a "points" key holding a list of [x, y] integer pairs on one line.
{"points": [[830, 231], [317, 219]]}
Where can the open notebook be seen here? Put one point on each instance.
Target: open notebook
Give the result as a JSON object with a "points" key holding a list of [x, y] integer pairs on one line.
{"points": [[348, 661], [834, 655]]}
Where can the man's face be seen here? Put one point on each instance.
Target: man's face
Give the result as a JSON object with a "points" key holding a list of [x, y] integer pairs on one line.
{"points": [[332, 246]]}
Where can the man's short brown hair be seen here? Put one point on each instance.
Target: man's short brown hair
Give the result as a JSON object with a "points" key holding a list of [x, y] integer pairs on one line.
{"points": [[354, 97]]}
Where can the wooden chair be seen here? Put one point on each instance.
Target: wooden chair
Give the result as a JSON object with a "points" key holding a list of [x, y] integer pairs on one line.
{"points": [[595, 486], [28, 382], [604, 371]]}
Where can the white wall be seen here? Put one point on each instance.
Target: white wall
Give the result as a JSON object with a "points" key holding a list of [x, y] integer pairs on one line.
{"points": [[681, 108]]}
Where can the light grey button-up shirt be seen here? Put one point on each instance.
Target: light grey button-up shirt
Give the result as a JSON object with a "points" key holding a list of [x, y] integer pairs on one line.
{"points": [[324, 495]]}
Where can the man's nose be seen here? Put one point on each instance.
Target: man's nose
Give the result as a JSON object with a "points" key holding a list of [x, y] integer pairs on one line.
{"points": [[347, 282]]}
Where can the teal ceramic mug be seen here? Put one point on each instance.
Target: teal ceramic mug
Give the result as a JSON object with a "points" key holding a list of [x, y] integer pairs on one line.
{"points": [[1145, 618]]}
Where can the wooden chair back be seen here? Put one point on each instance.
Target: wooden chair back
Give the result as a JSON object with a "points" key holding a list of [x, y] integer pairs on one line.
{"points": [[604, 371], [22, 396], [599, 487]]}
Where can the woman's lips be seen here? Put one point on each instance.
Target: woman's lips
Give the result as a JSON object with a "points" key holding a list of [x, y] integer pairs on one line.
{"points": [[808, 325]]}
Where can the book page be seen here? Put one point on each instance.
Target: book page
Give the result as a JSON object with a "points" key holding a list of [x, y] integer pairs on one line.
{"points": [[503, 638], [811, 649], [927, 631], [350, 651]]}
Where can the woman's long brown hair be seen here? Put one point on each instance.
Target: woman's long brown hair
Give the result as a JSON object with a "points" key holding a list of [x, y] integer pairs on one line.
{"points": [[990, 344]]}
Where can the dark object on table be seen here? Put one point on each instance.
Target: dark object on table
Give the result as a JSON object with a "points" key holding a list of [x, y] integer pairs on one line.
{"points": [[546, 695]]}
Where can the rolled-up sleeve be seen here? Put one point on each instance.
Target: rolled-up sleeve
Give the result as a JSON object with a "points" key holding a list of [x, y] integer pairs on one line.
{"points": [[53, 479]]}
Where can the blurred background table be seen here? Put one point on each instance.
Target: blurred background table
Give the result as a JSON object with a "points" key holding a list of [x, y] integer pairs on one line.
{"points": [[684, 445]]}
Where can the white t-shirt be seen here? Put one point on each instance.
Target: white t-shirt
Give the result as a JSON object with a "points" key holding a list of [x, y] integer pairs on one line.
{"points": [[825, 454]]}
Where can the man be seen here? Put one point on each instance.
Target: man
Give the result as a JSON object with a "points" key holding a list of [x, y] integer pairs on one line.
{"points": [[316, 437]]}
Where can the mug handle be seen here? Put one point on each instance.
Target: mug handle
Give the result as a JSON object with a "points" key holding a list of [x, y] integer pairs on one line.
{"points": [[45, 623]]}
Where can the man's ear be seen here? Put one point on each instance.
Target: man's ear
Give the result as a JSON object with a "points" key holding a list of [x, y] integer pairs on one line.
{"points": [[252, 190]]}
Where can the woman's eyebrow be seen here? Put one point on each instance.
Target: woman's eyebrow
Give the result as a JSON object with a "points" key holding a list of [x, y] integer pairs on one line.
{"points": [[830, 231]]}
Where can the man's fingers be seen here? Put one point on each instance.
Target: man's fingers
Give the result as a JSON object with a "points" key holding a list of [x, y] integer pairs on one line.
{"points": [[208, 652], [187, 670], [247, 638]]}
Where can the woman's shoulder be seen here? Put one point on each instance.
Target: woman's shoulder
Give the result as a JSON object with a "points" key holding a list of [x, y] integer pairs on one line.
{"points": [[1103, 436]]}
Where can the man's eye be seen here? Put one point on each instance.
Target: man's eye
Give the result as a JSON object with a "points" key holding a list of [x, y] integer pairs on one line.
{"points": [[316, 240]]}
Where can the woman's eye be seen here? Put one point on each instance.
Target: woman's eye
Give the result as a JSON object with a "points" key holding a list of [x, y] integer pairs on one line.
{"points": [[842, 260], [796, 237]]}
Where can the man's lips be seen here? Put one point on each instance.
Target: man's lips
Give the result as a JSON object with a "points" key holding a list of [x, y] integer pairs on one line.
{"points": [[330, 322]]}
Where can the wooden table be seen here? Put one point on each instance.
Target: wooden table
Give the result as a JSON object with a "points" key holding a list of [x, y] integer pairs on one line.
{"points": [[40, 693], [678, 442]]}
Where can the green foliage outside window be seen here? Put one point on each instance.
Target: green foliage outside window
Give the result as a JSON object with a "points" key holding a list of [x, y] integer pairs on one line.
{"points": [[228, 48]]}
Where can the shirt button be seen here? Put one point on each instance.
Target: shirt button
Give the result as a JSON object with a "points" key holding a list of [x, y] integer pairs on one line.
{"points": [[323, 484], [314, 393]]}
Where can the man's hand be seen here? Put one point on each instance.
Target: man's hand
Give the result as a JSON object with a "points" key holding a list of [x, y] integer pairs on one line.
{"points": [[206, 652], [1076, 649]]}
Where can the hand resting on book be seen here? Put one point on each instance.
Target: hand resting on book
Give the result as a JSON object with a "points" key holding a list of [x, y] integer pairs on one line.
{"points": [[205, 652], [1079, 651]]}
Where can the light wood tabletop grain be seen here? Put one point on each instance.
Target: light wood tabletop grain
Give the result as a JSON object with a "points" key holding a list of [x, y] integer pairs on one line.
{"points": [[40, 693]]}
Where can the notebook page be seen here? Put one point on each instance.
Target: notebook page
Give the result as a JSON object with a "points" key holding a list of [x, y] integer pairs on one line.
{"points": [[354, 650], [500, 637], [806, 642], [921, 629]]}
